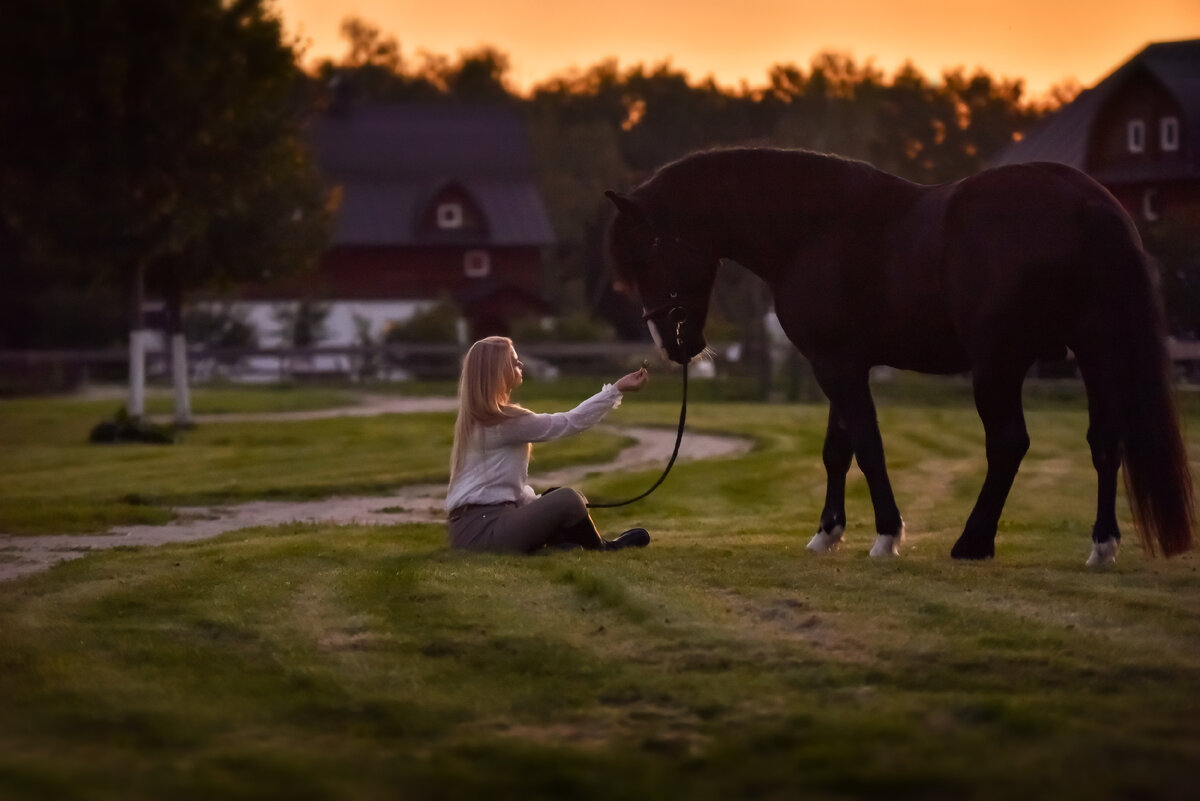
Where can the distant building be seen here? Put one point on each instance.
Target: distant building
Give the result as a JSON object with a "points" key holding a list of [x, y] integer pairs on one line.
{"points": [[1137, 132], [436, 201]]}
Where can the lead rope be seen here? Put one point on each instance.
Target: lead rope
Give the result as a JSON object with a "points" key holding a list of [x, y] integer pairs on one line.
{"points": [[674, 453]]}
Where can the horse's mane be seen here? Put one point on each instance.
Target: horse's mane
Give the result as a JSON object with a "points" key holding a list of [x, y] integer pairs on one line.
{"points": [[726, 189], [749, 179]]}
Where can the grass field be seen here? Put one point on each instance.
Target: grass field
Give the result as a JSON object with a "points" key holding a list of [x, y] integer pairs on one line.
{"points": [[724, 661]]}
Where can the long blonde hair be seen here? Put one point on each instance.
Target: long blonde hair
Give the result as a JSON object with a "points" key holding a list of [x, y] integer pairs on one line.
{"points": [[489, 373]]}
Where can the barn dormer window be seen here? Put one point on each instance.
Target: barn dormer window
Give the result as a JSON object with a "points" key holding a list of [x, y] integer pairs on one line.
{"points": [[1135, 136], [449, 215], [1168, 134]]}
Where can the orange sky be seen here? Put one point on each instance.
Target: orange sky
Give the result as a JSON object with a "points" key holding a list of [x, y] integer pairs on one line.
{"points": [[1042, 41]]}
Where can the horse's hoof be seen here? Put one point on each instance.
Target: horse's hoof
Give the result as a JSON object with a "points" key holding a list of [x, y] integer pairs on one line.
{"points": [[824, 542], [887, 546], [964, 549], [1103, 553]]}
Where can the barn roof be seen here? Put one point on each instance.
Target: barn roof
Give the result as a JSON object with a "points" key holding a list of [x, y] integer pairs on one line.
{"points": [[391, 160], [1064, 135]]}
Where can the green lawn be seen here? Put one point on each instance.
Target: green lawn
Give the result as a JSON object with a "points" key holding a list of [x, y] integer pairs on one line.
{"points": [[53, 481], [722, 662]]}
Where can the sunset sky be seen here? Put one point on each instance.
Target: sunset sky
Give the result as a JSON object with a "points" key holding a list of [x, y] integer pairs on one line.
{"points": [[1042, 41]]}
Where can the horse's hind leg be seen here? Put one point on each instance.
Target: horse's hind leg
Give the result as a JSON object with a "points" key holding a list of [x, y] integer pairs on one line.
{"points": [[837, 454], [1104, 440], [998, 400]]}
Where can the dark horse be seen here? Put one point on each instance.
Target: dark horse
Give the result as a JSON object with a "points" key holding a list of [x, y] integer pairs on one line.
{"points": [[987, 275]]}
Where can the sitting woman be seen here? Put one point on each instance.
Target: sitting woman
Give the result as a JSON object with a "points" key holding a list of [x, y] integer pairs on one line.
{"points": [[490, 505]]}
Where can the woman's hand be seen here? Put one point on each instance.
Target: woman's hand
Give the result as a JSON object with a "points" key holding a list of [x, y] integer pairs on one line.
{"points": [[634, 381]]}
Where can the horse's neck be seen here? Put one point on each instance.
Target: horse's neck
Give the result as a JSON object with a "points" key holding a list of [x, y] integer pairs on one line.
{"points": [[758, 216]]}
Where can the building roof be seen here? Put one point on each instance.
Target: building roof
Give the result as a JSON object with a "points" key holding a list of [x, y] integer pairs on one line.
{"points": [[390, 161], [1064, 135]]}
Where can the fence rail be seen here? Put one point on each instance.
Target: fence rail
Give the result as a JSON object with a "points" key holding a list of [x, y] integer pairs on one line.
{"points": [[120, 355], [49, 370]]}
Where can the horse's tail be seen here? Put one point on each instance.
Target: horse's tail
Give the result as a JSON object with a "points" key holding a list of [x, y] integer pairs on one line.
{"points": [[1158, 481]]}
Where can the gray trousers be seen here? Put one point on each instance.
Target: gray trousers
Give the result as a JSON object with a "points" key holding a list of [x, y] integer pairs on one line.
{"points": [[560, 516]]}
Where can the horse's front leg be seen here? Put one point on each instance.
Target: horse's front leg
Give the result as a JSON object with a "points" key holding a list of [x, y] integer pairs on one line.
{"points": [[836, 455], [849, 392]]}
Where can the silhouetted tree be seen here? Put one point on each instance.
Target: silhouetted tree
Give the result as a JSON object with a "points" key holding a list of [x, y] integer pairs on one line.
{"points": [[168, 121], [374, 69], [480, 76]]}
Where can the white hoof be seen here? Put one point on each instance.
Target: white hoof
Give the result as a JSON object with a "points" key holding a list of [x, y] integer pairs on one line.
{"points": [[824, 542], [1103, 553], [887, 546]]}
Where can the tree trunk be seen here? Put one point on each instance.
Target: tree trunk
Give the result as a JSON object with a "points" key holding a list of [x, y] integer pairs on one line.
{"points": [[136, 405], [179, 363]]}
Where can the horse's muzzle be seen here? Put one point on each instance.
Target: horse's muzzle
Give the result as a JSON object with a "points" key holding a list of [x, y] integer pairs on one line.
{"points": [[678, 342], [675, 331]]}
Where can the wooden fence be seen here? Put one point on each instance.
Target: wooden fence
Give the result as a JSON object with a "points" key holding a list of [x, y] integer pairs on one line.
{"points": [[58, 370], [55, 370]]}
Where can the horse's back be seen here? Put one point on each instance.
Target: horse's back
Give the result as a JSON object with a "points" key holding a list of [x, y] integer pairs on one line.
{"points": [[1046, 204], [1021, 252]]}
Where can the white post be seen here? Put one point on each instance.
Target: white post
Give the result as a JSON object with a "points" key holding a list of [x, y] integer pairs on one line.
{"points": [[137, 374], [179, 374]]}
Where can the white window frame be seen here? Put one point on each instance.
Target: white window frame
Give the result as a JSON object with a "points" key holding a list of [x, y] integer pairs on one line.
{"points": [[1135, 136], [449, 215], [477, 264], [1168, 134]]}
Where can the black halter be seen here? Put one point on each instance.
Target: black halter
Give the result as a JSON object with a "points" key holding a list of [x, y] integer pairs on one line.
{"points": [[674, 311]]}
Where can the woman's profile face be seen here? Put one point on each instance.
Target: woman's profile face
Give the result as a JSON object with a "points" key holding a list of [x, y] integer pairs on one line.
{"points": [[518, 376]]}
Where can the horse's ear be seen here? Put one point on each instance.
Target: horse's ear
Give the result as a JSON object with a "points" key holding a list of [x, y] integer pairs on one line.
{"points": [[627, 206]]}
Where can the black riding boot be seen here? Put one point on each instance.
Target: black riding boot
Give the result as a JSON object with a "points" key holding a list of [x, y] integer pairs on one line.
{"points": [[583, 534], [633, 538]]}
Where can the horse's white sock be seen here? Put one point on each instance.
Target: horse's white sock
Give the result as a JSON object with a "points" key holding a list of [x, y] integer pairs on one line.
{"points": [[888, 545], [826, 541], [1103, 553]]}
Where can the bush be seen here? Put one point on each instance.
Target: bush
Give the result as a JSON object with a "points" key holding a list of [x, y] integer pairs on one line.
{"points": [[123, 428], [436, 324], [302, 324], [574, 327], [219, 327]]}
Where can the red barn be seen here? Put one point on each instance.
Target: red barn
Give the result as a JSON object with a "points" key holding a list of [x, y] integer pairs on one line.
{"points": [[434, 201], [1137, 132]]}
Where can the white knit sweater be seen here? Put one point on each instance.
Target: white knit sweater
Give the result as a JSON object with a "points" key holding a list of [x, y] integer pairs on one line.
{"points": [[496, 464]]}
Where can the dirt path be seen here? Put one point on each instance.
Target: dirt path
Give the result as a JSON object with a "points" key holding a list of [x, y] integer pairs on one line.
{"points": [[421, 503]]}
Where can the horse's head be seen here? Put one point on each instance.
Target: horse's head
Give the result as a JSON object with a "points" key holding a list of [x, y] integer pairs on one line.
{"points": [[670, 269]]}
